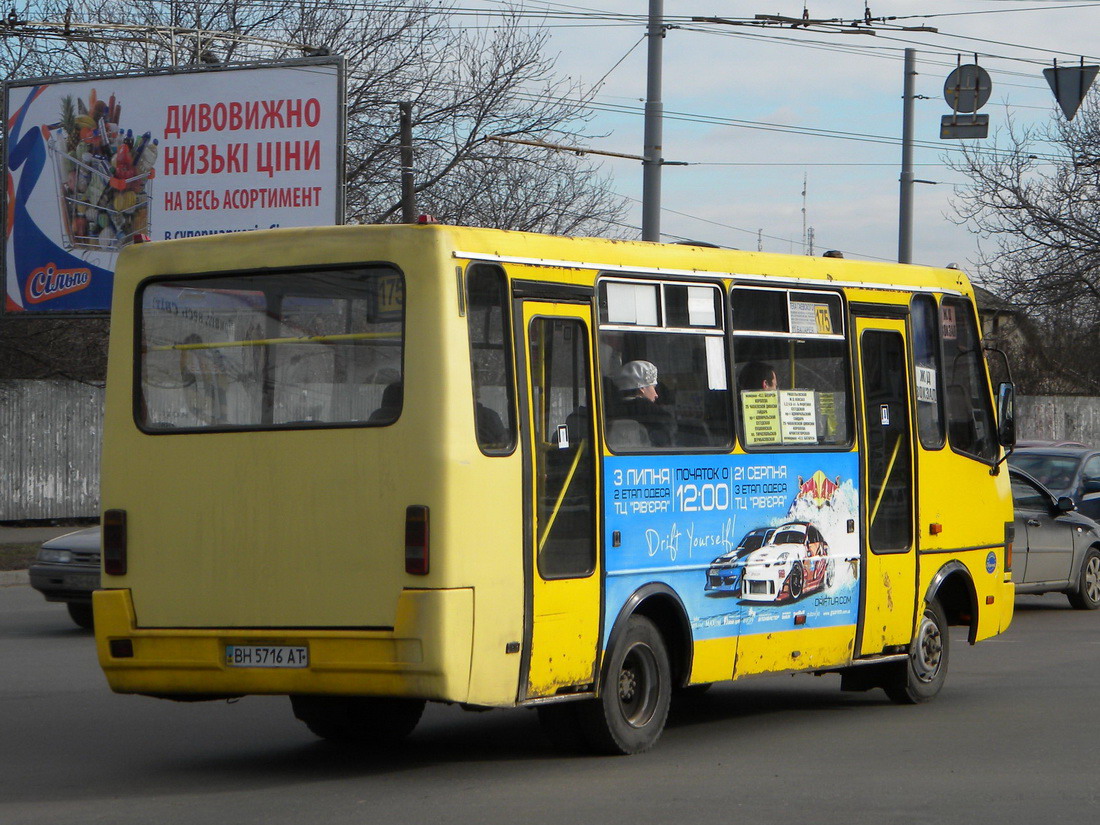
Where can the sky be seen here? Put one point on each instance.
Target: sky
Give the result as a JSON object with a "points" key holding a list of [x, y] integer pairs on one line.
{"points": [[733, 94]]}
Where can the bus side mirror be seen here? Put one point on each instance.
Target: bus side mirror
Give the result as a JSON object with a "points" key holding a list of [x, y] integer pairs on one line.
{"points": [[1006, 414]]}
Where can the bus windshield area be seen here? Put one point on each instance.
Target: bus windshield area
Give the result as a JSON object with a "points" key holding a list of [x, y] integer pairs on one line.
{"points": [[271, 350]]}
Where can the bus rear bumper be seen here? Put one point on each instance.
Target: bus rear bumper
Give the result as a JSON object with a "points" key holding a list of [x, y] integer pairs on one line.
{"points": [[427, 654]]}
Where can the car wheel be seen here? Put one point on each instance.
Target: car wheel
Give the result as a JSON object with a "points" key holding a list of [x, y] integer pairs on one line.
{"points": [[81, 614], [1086, 596], [358, 720], [920, 677], [632, 708], [795, 581], [830, 574]]}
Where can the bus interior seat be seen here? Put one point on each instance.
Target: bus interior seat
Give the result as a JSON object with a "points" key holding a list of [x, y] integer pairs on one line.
{"points": [[628, 434]]}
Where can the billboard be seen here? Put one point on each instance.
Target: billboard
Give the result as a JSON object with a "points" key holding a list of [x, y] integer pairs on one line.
{"points": [[96, 163]]}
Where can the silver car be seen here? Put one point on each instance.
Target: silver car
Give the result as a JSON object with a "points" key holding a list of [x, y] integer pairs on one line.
{"points": [[1057, 549], [67, 570]]}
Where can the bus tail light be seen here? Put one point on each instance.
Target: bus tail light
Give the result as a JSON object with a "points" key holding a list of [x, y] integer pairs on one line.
{"points": [[114, 542], [1010, 537], [416, 540]]}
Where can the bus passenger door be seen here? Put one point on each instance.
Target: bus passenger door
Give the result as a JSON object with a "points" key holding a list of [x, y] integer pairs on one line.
{"points": [[890, 577], [563, 577]]}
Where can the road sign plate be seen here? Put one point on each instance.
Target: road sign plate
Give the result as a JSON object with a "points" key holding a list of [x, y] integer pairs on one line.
{"points": [[953, 127]]}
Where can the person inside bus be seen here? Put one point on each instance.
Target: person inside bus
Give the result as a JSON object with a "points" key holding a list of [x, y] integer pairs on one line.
{"points": [[636, 382], [757, 375]]}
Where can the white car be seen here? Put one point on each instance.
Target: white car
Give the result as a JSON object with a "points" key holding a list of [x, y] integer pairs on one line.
{"points": [[67, 570], [794, 562]]}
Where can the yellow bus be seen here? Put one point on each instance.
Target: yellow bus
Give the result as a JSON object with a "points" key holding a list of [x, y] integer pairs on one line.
{"points": [[370, 467]]}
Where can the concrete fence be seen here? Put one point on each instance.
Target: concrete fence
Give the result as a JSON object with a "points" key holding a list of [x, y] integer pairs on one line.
{"points": [[50, 436], [1059, 418], [51, 432]]}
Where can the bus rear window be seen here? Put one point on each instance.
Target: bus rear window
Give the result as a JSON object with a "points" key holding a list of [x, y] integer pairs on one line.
{"points": [[271, 350]]}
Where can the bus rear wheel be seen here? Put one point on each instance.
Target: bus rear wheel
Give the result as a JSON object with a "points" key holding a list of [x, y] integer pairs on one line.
{"points": [[358, 720], [632, 708], [920, 677]]}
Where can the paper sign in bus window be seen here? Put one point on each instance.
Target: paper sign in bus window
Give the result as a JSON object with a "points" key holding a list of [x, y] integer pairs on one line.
{"points": [[716, 363], [808, 318], [926, 384], [760, 412], [826, 410], [947, 322], [701, 307], [797, 417], [632, 304]]}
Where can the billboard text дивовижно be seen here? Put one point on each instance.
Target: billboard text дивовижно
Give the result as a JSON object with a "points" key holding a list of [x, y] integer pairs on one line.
{"points": [[93, 164]]}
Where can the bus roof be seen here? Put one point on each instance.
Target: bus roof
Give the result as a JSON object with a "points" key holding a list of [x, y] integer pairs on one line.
{"points": [[530, 249]]}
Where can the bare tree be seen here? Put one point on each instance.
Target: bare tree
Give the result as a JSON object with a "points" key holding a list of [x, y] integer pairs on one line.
{"points": [[466, 86], [1034, 196]]}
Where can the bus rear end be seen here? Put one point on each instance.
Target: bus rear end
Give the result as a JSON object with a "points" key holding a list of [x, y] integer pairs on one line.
{"points": [[286, 415]]}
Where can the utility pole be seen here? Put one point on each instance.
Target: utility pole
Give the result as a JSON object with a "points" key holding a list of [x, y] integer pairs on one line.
{"points": [[408, 192], [654, 112], [905, 208], [805, 180]]}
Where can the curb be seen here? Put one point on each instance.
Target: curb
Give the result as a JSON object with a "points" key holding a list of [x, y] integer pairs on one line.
{"points": [[11, 578]]}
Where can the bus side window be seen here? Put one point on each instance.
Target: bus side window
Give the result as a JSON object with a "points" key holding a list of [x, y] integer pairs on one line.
{"points": [[791, 368], [927, 373], [679, 329], [491, 359], [969, 408]]}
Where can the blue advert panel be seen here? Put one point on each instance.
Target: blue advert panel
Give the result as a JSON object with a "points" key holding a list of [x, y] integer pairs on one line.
{"points": [[748, 542]]}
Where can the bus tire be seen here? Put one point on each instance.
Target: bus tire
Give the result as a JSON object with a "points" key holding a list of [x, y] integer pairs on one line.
{"points": [[358, 720], [1086, 596], [919, 678], [632, 707]]}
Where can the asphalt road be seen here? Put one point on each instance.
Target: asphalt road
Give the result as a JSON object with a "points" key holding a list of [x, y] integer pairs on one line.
{"points": [[1011, 739]]}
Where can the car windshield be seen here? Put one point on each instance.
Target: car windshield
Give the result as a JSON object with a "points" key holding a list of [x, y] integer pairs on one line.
{"points": [[753, 540], [790, 537], [1055, 471]]}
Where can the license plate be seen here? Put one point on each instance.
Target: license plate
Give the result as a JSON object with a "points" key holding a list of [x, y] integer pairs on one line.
{"points": [[266, 656]]}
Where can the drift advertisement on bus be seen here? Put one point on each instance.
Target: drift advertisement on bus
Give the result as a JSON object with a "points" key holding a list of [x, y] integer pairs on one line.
{"points": [[747, 542], [94, 165]]}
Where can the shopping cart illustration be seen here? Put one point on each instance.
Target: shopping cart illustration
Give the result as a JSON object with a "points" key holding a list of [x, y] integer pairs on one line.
{"points": [[104, 198]]}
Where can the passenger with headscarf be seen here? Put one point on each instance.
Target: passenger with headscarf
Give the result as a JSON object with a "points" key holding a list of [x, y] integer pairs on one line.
{"points": [[637, 383]]}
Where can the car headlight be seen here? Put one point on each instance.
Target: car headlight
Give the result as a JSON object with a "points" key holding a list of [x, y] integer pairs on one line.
{"points": [[55, 556]]}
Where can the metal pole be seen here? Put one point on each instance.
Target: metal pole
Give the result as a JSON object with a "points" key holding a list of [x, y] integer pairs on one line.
{"points": [[654, 111], [905, 210], [408, 192]]}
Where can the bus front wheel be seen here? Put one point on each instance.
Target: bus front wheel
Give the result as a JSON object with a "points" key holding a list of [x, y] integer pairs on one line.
{"points": [[630, 713], [920, 677], [358, 720]]}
